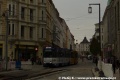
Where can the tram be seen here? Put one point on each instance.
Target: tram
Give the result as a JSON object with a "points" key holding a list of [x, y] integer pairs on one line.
{"points": [[55, 57], [74, 57]]}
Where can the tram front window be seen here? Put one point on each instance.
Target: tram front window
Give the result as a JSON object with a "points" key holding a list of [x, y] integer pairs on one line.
{"points": [[47, 54]]}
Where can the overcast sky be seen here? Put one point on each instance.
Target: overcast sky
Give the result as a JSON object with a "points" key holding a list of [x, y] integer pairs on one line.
{"points": [[79, 21]]}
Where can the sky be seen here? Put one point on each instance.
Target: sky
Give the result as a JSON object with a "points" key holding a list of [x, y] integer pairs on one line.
{"points": [[79, 21]]}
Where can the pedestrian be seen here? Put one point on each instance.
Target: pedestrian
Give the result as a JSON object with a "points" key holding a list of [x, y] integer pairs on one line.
{"points": [[32, 60], [82, 58], [96, 61], [119, 65], [113, 61]]}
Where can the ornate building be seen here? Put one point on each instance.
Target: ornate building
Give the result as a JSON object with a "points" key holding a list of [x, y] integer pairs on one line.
{"points": [[30, 25], [84, 47]]}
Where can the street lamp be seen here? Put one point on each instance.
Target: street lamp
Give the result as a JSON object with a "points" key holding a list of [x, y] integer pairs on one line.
{"points": [[90, 11]]}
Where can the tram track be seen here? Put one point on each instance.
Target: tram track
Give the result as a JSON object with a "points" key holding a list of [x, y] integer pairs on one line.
{"points": [[47, 74], [30, 75]]}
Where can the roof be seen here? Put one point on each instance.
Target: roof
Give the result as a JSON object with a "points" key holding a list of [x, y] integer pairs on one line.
{"points": [[85, 40]]}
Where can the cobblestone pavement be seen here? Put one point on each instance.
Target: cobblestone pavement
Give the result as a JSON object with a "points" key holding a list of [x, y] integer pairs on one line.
{"points": [[82, 69]]}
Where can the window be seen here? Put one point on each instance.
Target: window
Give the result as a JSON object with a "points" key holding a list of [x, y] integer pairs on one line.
{"points": [[115, 15], [102, 37], [102, 45], [31, 14], [12, 29], [42, 15], [9, 9], [42, 1], [42, 33], [9, 29], [31, 32], [22, 12], [22, 31], [0, 9], [13, 10], [0, 29], [118, 15]]}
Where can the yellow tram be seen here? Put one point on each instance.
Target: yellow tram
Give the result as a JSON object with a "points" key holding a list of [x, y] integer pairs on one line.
{"points": [[74, 57]]}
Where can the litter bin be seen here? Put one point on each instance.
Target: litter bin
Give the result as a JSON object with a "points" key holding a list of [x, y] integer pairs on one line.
{"points": [[18, 64]]}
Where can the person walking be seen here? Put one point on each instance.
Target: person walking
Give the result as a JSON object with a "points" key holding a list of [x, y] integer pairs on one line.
{"points": [[32, 60], [113, 61], [82, 58], [96, 61]]}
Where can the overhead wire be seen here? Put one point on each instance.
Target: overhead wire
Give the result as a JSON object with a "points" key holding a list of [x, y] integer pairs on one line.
{"points": [[80, 17]]}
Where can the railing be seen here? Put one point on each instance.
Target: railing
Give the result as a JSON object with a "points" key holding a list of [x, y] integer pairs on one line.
{"points": [[11, 37], [12, 16]]}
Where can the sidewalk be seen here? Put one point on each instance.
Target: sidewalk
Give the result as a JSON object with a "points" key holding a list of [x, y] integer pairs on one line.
{"points": [[21, 72], [33, 68], [36, 70], [117, 75], [97, 73]]}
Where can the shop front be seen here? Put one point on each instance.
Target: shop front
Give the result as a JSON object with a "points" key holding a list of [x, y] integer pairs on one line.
{"points": [[25, 52]]}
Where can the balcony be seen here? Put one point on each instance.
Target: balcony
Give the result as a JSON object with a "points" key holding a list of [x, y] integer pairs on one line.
{"points": [[13, 16], [12, 38], [2, 37]]}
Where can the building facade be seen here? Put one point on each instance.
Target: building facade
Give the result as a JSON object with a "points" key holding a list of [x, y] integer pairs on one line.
{"points": [[105, 33], [22, 27], [99, 34], [84, 47], [111, 20], [30, 26]]}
